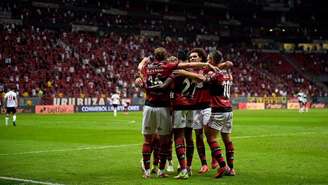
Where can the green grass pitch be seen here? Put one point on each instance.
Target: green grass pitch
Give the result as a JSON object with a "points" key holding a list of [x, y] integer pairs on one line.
{"points": [[271, 147]]}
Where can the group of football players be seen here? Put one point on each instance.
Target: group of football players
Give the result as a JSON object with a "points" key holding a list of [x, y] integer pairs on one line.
{"points": [[185, 93]]}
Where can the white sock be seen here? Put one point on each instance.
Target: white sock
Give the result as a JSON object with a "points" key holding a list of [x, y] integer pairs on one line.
{"points": [[7, 119], [115, 112], [147, 172], [14, 118]]}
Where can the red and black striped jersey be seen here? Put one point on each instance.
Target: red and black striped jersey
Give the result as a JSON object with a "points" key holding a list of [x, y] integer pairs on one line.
{"points": [[184, 89], [190, 94], [155, 73], [220, 85], [201, 96]]}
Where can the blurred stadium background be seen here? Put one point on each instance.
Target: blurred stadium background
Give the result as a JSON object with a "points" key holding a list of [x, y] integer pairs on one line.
{"points": [[70, 55]]}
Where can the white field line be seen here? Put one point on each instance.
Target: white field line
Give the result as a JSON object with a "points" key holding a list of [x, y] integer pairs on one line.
{"points": [[72, 149], [275, 135], [28, 181], [129, 145]]}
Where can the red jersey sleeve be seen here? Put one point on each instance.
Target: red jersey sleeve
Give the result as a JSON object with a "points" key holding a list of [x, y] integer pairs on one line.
{"points": [[213, 77], [171, 65]]}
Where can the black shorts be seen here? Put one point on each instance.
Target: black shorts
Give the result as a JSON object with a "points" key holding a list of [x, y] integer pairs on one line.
{"points": [[11, 110], [126, 105], [115, 105]]}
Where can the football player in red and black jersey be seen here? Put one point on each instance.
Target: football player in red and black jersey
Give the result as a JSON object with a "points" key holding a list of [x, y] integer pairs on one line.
{"points": [[156, 113], [221, 117], [201, 110]]}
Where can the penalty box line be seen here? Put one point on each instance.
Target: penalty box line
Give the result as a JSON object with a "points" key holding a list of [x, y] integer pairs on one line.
{"points": [[129, 145]]}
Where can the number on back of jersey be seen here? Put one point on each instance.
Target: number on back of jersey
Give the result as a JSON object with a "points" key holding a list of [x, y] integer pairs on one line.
{"points": [[189, 88], [226, 88], [154, 80]]}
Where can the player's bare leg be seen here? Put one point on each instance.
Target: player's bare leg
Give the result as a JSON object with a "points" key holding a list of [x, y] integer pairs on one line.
{"points": [[7, 119], [14, 120]]}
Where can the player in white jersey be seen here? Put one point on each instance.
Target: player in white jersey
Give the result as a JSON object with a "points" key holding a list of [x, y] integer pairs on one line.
{"points": [[302, 99], [115, 101], [10, 101], [126, 105]]}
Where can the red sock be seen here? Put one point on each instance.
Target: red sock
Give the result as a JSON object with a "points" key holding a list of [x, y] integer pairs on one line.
{"points": [[230, 154], [146, 153], [156, 149], [169, 157], [189, 153], [216, 153], [181, 151], [163, 153], [201, 149], [190, 145]]}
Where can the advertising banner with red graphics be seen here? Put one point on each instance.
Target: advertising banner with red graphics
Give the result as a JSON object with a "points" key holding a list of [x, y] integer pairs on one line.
{"points": [[242, 106], [255, 106], [251, 106], [293, 105], [292, 100], [54, 109], [318, 105]]}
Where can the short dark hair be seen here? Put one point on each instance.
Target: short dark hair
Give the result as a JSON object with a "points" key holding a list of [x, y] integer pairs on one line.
{"points": [[182, 54], [160, 53], [217, 56], [201, 53]]}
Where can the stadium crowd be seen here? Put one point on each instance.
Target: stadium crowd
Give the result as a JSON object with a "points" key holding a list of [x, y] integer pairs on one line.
{"points": [[59, 64]]}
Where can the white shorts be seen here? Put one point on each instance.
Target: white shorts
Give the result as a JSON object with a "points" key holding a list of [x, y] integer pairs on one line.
{"points": [[156, 120], [201, 118], [221, 121], [182, 119]]}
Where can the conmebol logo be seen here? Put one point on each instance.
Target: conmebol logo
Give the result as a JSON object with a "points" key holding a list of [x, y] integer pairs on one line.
{"points": [[94, 109]]}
